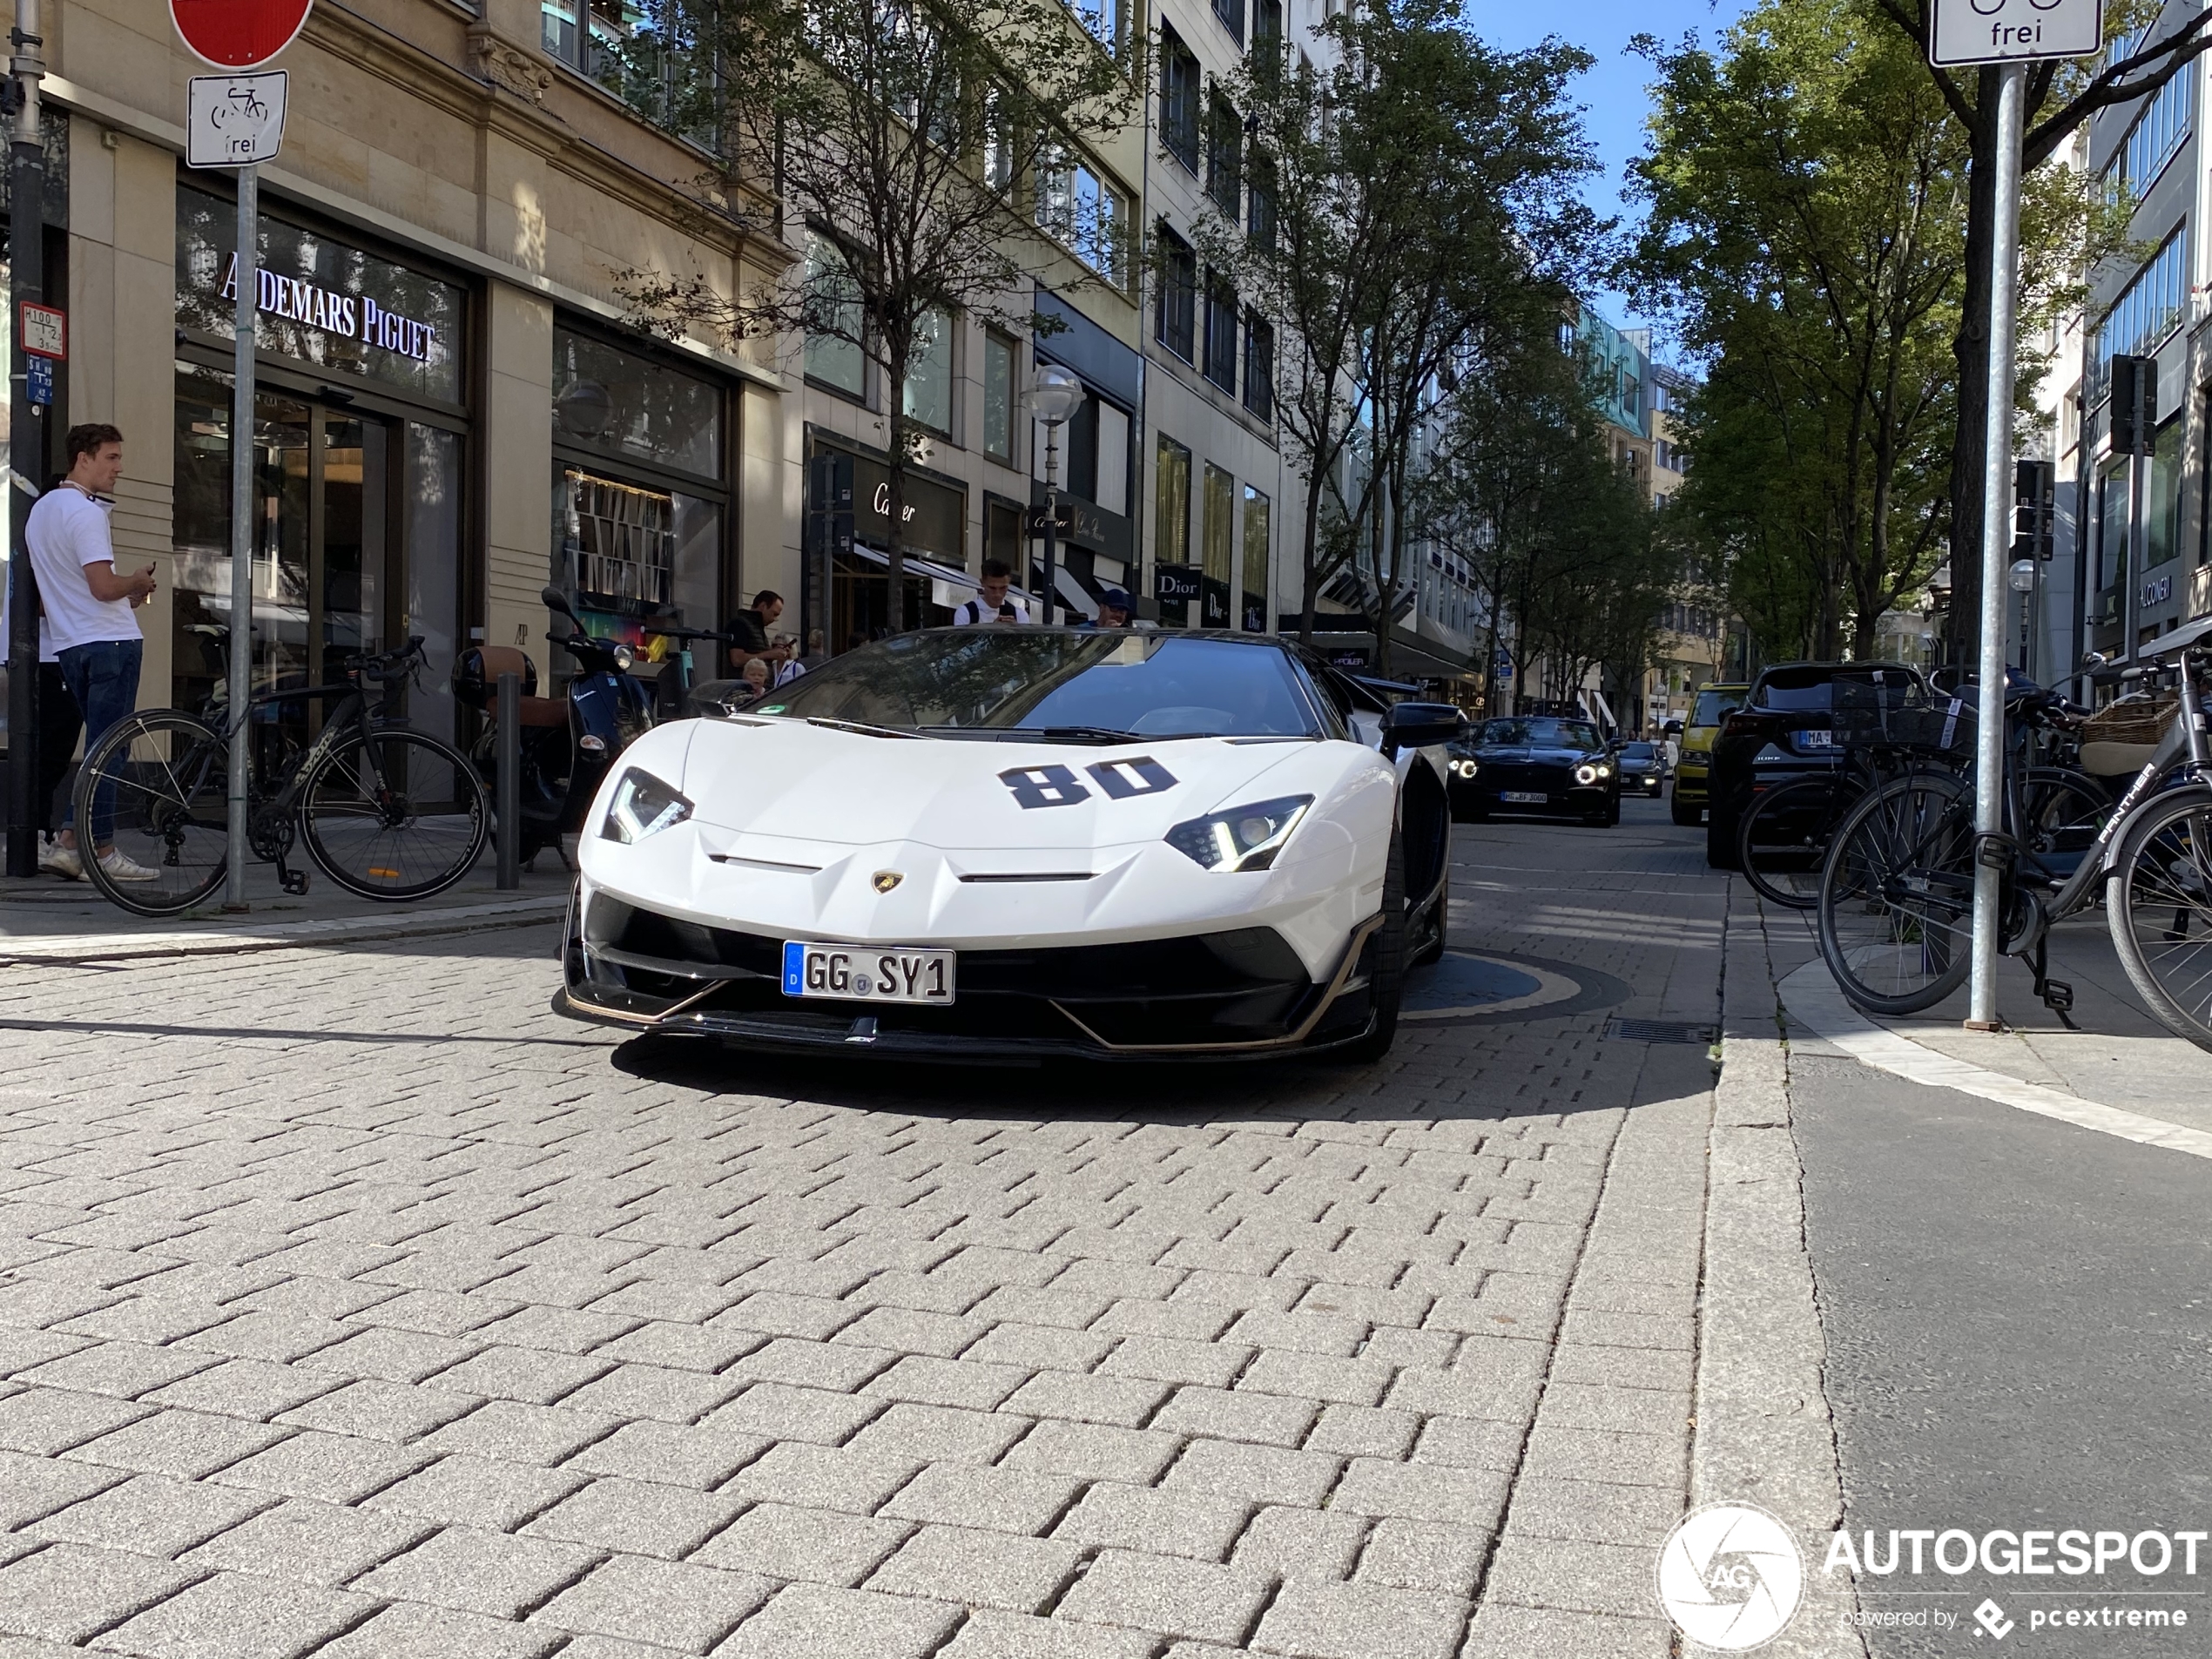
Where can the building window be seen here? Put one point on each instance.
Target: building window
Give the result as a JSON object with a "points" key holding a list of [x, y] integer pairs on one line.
{"points": [[1231, 13], [1225, 157], [1178, 99], [1076, 204], [1259, 366], [2158, 134], [1217, 527], [2147, 311], [833, 303], [1267, 27], [1172, 502], [1103, 20], [1177, 326], [929, 373], [1631, 394], [998, 397], [1256, 529], [1221, 333], [1259, 201]]}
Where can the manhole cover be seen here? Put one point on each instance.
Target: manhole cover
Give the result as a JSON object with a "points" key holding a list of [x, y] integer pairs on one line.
{"points": [[1660, 1031]]}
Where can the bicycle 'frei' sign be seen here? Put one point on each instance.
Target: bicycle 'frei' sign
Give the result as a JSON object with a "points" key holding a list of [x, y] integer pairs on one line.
{"points": [[235, 120], [1997, 31], [238, 34]]}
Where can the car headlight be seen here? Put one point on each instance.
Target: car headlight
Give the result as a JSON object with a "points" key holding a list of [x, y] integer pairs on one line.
{"points": [[642, 806], [1244, 837], [1463, 768], [1590, 773]]}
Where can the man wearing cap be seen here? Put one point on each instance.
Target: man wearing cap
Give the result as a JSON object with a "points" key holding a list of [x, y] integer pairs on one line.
{"points": [[1114, 608]]}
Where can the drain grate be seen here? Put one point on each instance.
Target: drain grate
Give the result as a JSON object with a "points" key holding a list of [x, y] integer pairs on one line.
{"points": [[1660, 1031]]}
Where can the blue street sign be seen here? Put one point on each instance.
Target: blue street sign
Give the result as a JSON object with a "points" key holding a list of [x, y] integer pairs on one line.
{"points": [[38, 378]]}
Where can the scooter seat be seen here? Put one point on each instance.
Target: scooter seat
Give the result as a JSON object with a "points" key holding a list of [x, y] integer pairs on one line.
{"points": [[534, 711]]}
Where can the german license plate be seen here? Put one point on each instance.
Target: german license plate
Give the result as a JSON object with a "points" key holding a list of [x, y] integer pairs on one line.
{"points": [[1816, 739], [860, 974], [1523, 797]]}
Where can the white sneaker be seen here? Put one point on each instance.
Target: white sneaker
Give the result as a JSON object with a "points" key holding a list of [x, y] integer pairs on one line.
{"points": [[55, 860], [119, 865]]}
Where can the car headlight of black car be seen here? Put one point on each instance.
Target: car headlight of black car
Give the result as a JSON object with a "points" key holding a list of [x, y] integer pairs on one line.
{"points": [[642, 806], [1593, 772], [1464, 767], [1244, 837]]}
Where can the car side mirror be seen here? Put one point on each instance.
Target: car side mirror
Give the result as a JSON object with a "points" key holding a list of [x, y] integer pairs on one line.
{"points": [[1419, 726]]}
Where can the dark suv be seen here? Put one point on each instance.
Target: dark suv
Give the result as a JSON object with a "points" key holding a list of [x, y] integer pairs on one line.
{"points": [[1780, 732]]}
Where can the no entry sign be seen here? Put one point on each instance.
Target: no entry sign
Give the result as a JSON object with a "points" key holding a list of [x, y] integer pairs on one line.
{"points": [[238, 34]]}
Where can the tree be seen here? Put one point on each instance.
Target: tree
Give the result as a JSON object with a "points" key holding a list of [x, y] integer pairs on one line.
{"points": [[1420, 186], [928, 153], [1807, 235], [2060, 95]]}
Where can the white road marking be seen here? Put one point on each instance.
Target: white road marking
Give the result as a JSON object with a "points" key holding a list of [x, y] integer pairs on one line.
{"points": [[1811, 995]]}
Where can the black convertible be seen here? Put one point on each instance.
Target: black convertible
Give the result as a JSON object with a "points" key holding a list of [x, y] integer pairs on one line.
{"points": [[1529, 763]]}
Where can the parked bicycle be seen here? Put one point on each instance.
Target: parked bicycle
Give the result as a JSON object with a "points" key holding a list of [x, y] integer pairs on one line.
{"points": [[1897, 894], [384, 810], [1784, 837]]}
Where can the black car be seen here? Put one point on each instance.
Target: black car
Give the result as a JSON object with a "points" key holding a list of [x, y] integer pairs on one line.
{"points": [[1781, 732], [1538, 764], [1643, 769]]}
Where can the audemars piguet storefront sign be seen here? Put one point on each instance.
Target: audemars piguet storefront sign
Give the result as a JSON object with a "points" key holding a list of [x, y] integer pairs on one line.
{"points": [[321, 300]]}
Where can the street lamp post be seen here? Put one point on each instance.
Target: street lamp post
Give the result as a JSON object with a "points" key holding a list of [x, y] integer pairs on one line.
{"points": [[25, 226], [1054, 399]]}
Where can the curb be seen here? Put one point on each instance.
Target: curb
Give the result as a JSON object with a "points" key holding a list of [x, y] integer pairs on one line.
{"points": [[64, 948], [1765, 1435]]}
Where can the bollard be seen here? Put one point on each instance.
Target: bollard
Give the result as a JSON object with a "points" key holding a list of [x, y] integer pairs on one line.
{"points": [[508, 765]]}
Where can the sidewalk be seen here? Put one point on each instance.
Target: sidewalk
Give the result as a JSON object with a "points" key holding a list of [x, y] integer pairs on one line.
{"points": [[2121, 1071], [47, 920]]}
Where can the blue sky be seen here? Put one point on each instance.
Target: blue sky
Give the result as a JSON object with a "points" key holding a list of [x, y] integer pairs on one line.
{"points": [[1613, 91]]}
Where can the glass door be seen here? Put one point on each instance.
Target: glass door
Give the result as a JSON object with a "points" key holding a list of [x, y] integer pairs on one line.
{"points": [[320, 542]]}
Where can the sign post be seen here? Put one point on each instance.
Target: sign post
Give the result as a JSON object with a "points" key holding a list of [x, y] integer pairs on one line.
{"points": [[26, 441], [236, 119], [2011, 34]]}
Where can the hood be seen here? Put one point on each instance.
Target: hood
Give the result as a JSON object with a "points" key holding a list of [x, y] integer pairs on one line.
{"points": [[1541, 753], [772, 782]]}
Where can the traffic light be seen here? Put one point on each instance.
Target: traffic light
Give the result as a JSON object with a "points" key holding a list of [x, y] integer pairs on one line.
{"points": [[2035, 509], [2135, 404]]}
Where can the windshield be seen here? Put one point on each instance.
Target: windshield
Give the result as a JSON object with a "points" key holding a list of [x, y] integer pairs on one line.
{"points": [[1541, 733], [1636, 751], [1077, 682], [1713, 707]]}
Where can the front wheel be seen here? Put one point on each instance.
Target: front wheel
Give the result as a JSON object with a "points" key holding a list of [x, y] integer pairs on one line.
{"points": [[1782, 842], [157, 784], [398, 815], [1897, 896], [2161, 911]]}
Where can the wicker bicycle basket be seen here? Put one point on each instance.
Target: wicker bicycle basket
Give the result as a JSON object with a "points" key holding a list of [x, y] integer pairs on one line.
{"points": [[2132, 719]]}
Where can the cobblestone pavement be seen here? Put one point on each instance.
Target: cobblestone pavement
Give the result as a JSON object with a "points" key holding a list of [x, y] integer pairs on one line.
{"points": [[352, 1304]]}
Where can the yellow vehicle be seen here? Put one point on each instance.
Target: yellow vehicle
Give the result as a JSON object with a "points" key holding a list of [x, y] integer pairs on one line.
{"points": [[1714, 704]]}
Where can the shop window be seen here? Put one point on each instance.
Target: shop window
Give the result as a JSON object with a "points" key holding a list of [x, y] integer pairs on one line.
{"points": [[1178, 324], [1257, 530], [1171, 492], [1111, 469], [2163, 497], [929, 373], [1218, 529], [998, 397], [320, 301], [1221, 333], [618, 404], [832, 306], [634, 555]]}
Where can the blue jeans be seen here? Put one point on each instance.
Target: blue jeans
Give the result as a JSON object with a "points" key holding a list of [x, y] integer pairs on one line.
{"points": [[103, 678]]}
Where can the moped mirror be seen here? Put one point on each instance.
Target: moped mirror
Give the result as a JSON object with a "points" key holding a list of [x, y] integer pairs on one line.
{"points": [[557, 602]]}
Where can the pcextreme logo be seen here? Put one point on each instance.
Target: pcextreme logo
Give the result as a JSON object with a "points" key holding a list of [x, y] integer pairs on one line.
{"points": [[1730, 1577]]}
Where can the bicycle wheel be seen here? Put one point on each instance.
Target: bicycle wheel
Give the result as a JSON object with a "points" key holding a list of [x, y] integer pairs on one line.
{"points": [[1897, 897], [2161, 904], [1782, 844], [167, 774], [400, 816], [2062, 812]]}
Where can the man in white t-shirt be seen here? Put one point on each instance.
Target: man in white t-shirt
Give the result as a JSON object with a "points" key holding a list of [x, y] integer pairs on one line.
{"points": [[89, 605], [993, 604]]}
